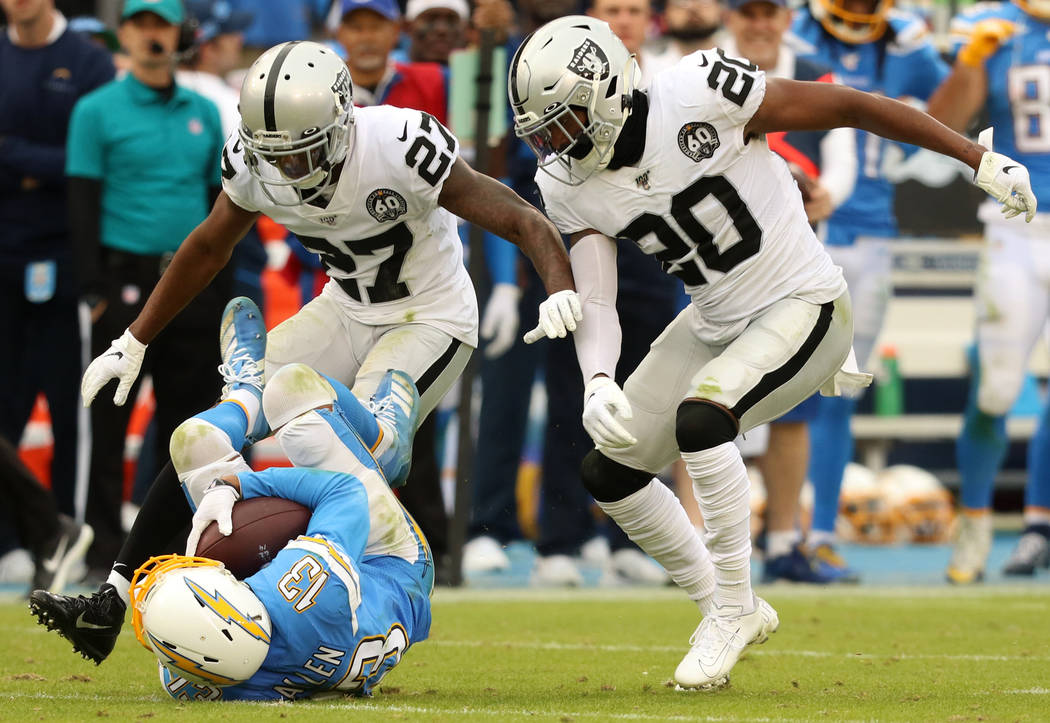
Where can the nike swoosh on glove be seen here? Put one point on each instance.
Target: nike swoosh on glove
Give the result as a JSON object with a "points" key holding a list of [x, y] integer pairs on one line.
{"points": [[604, 405], [215, 506], [121, 361], [558, 316], [1005, 180]]}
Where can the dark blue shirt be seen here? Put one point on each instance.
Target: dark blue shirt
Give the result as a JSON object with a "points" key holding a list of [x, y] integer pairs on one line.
{"points": [[38, 88]]}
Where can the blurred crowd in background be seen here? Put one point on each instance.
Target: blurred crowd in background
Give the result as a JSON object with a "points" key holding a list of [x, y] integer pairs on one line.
{"points": [[112, 119]]}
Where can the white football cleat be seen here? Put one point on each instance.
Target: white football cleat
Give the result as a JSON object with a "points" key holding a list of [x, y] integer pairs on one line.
{"points": [[484, 554], [970, 547], [719, 641], [555, 571], [635, 567]]}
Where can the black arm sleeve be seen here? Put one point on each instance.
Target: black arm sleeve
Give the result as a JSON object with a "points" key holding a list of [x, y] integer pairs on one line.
{"points": [[85, 217]]}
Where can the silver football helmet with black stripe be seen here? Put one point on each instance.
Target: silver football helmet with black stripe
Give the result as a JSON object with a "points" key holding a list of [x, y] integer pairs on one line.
{"points": [[297, 116], [570, 86]]}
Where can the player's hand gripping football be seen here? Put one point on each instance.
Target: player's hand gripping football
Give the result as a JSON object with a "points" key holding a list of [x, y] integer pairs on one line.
{"points": [[216, 506], [558, 316], [604, 405], [1005, 180], [121, 361], [499, 323]]}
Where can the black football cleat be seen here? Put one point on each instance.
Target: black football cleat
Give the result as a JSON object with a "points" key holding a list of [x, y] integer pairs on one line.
{"points": [[92, 623]]}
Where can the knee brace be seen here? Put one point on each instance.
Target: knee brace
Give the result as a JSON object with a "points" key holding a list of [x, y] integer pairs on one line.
{"points": [[1000, 384], [610, 481], [702, 425], [295, 389]]}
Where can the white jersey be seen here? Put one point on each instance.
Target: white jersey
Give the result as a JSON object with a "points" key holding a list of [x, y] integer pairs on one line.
{"points": [[721, 214], [392, 252]]}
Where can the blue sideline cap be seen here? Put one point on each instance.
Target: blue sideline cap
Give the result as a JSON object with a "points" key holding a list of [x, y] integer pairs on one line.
{"points": [[217, 17], [387, 8], [170, 10]]}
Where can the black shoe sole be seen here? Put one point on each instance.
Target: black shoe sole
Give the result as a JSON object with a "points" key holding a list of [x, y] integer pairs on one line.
{"points": [[39, 604]]}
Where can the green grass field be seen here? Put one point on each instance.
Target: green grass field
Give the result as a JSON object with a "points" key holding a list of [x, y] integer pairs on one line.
{"points": [[904, 654]]}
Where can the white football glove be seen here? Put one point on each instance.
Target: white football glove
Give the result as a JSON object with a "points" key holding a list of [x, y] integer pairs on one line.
{"points": [[215, 506], [1005, 180], [604, 405], [499, 323], [121, 361], [558, 316]]}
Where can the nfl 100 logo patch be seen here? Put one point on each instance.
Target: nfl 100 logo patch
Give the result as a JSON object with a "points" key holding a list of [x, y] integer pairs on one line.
{"points": [[385, 204], [698, 140]]}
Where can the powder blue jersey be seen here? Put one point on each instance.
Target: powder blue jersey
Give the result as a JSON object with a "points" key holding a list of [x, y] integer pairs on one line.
{"points": [[903, 63], [1018, 100], [341, 617]]}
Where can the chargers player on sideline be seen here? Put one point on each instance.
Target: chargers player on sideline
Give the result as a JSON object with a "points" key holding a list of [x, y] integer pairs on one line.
{"points": [[335, 610], [373, 191], [870, 46], [770, 319], [1003, 64]]}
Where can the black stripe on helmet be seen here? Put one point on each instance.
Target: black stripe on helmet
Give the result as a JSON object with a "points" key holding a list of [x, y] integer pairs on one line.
{"points": [[269, 114], [515, 97]]}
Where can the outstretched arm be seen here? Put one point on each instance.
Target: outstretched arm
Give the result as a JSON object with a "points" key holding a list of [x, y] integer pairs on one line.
{"points": [[791, 105], [484, 201]]}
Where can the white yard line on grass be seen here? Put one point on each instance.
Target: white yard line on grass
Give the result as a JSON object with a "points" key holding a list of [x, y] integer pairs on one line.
{"points": [[360, 705]]}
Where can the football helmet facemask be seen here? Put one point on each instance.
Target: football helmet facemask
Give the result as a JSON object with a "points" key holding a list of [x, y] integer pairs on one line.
{"points": [[850, 26], [921, 507], [199, 620], [863, 514], [297, 117], [570, 86]]}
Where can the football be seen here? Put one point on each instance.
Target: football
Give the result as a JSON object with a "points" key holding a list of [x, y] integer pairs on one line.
{"points": [[262, 526]]}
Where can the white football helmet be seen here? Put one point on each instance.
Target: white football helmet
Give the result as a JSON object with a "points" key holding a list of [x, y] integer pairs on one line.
{"points": [[863, 514], [921, 507], [297, 115], [199, 620], [575, 63]]}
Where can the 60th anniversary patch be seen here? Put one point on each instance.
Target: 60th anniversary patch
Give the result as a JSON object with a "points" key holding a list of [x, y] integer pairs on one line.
{"points": [[386, 204]]}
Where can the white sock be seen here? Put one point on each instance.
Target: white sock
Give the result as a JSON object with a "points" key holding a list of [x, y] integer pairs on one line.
{"points": [[122, 584], [249, 401], [780, 542], [721, 485], [816, 538], [655, 519]]}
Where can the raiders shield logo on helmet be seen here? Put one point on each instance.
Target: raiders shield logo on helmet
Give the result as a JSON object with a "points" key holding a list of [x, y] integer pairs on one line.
{"points": [[385, 204], [590, 62], [698, 140]]}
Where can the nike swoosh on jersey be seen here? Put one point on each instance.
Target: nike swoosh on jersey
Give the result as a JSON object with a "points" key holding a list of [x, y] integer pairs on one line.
{"points": [[404, 133], [85, 625], [703, 61], [1006, 169]]}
